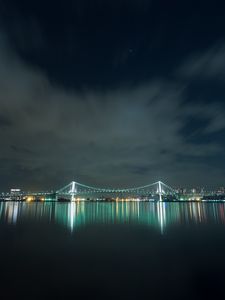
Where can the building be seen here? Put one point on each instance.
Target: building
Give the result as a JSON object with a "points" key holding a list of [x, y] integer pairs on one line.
{"points": [[15, 194]]}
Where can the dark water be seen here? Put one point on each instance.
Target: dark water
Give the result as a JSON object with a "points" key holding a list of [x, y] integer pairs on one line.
{"points": [[123, 250]]}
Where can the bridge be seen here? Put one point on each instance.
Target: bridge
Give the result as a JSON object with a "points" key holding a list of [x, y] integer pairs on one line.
{"points": [[155, 191]]}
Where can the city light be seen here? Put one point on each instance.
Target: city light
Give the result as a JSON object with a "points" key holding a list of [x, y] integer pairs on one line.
{"points": [[157, 191]]}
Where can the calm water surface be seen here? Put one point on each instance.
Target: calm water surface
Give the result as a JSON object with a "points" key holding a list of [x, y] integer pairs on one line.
{"points": [[122, 250], [76, 215]]}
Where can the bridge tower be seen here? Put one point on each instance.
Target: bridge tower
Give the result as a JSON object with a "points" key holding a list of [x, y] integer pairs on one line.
{"points": [[73, 190], [160, 190]]}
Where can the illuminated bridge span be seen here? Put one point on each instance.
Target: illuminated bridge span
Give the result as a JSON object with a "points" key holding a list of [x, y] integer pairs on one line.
{"points": [[156, 191]]}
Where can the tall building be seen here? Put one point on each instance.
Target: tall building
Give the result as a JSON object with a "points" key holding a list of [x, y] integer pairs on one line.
{"points": [[15, 194]]}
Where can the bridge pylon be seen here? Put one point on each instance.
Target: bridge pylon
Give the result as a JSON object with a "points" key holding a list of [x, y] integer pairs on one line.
{"points": [[157, 190], [73, 190], [160, 191]]}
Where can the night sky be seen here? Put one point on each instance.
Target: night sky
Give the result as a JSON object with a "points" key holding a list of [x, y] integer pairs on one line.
{"points": [[112, 93]]}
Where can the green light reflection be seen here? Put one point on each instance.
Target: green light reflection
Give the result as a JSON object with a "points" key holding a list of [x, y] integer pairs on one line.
{"points": [[75, 215]]}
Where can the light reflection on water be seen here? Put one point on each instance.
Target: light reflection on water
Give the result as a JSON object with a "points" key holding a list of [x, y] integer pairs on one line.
{"points": [[78, 214], [113, 261]]}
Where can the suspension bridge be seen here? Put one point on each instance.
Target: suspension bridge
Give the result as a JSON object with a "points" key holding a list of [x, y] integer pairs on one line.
{"points": [[155, 191]]}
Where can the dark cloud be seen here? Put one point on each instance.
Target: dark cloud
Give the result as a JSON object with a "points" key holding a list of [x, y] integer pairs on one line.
{"points": [[124, 136], [21, 150], [103, 44], [114, 93], [4, 122]]}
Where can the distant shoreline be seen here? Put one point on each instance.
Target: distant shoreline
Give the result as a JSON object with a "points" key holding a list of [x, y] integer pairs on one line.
{"points": [[116, 201]]}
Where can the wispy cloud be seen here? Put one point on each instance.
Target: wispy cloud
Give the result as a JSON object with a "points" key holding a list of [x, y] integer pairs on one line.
{"points": [[209, 64]]}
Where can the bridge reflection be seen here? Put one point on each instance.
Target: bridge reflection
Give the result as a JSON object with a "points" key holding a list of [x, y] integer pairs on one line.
{"points": [[75, 215]]}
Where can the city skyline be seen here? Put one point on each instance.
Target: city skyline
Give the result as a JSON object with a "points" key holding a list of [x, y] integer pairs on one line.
{"points": [[177, 189], [112, 94]]}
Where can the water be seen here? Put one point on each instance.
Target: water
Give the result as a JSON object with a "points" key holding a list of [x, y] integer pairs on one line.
{"points": [[75, 215], [116, 250]]}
